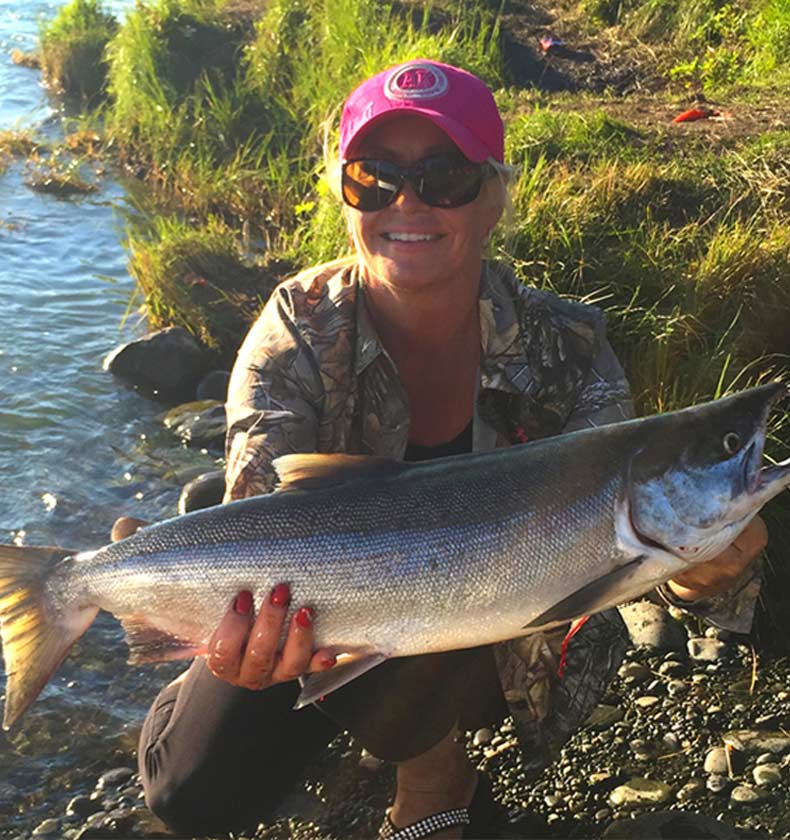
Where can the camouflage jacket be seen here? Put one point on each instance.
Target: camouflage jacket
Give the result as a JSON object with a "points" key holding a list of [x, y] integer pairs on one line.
{"points": [[313, 376]]}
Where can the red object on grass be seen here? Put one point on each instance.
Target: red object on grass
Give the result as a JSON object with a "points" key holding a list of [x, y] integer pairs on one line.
{"points": [[694, 114]]}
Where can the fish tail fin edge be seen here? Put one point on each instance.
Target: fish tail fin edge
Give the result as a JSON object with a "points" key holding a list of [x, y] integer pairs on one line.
{"points": [[35, 638]]}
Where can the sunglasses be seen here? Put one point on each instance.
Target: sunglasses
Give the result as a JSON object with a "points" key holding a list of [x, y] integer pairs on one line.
{"points": [[442, 180]]}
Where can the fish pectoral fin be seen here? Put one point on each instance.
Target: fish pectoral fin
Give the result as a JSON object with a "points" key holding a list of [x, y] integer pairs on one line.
{"points": [[150, 643], [316, 686], [606, 591], [312, 471]]}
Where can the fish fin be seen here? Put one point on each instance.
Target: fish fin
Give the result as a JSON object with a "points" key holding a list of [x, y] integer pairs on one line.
{"points": [[35, 639], [315, 686], [311, 471], [150, 643], [603, 592]]}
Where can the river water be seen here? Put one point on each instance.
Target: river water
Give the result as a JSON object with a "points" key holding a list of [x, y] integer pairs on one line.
{"points": [[77, 448]]}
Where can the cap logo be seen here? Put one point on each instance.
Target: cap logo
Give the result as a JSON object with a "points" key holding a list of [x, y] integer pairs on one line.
{"points": [[416, 81]]}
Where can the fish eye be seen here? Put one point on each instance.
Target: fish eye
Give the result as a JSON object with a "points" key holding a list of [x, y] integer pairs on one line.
{"points": [[731, 442]]}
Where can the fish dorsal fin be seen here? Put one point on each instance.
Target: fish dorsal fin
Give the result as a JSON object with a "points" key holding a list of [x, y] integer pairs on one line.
{"points": [[310, 471]]}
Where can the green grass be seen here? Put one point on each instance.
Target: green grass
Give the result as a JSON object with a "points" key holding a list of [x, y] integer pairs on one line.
{"points": [[72, 48], [200, 278]]}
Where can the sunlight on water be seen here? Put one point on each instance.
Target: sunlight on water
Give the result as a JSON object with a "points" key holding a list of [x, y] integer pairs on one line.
{"points": [[77, 449]]}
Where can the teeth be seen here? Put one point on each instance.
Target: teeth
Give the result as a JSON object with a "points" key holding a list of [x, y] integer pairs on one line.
{"points": [[412, 237]]}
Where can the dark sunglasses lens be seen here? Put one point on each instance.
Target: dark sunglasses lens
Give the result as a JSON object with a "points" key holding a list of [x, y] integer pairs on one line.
{"points": [[449, 182], [370, 184]]}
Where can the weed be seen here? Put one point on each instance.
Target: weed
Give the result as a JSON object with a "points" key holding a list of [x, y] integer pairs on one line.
{"points": [[72, 49]]}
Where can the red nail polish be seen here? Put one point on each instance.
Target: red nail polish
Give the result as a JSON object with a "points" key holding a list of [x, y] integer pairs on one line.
{"points": [[281, 595], [243, 603], [329, 662], [305, 617]]}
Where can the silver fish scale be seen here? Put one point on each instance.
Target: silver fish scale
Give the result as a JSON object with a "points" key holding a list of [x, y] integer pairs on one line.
{"points": [[405, 567]]}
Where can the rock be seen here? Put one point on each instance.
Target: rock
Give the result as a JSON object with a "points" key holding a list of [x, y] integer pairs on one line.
{"points": [[369, 763], [753, 741], [114, 778], [671, 741], [47, 828], [718, 783], [670, 824], [672, 668], [213, 386], [646, 702], [603, 716], [767, 775], [204, 491], [677, 688], [651, 625], [693, 789], [702, 649], [634, 673], [167, 363], [637, 792], [716, 761], [482, 737], [198, 423], [82, 806], [748, 795]]}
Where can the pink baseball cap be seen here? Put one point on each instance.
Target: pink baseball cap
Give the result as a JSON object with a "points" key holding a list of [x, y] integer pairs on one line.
{"points": [[455, 100]]}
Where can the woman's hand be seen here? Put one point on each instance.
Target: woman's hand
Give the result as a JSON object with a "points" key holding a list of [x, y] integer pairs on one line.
{"points": [[722, 572], [243, 650]]}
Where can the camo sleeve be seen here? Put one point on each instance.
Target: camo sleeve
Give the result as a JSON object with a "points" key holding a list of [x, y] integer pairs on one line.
{"points": [[274, 392], [605, 396]]}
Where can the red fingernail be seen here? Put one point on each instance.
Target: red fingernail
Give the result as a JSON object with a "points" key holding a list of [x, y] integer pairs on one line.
{"points": [[305, 617], [243, 603], [281, 595], [329, 662]]}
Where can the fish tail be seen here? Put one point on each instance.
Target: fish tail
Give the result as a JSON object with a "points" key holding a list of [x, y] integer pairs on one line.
{"points": [[36, 637]]}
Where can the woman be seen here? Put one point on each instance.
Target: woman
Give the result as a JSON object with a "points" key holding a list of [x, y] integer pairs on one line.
{"points": [[414, 348]]}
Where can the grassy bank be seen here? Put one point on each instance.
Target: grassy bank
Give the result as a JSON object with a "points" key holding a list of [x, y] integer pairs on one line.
{"points": [[680, 232]]}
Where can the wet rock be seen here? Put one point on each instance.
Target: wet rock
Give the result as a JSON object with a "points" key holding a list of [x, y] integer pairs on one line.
{"points": [[213, 386], [652, 626], [767, 775], [114, 778], [167, 363], [667, 824], [204, 491], [198, 423], [82, 806], [638, 791], [482, 737], [702, 649], [748, 795], [48, 828]]}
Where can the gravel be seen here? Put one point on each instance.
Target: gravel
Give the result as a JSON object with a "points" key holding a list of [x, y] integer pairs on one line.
{"points": [[633, 759]]}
